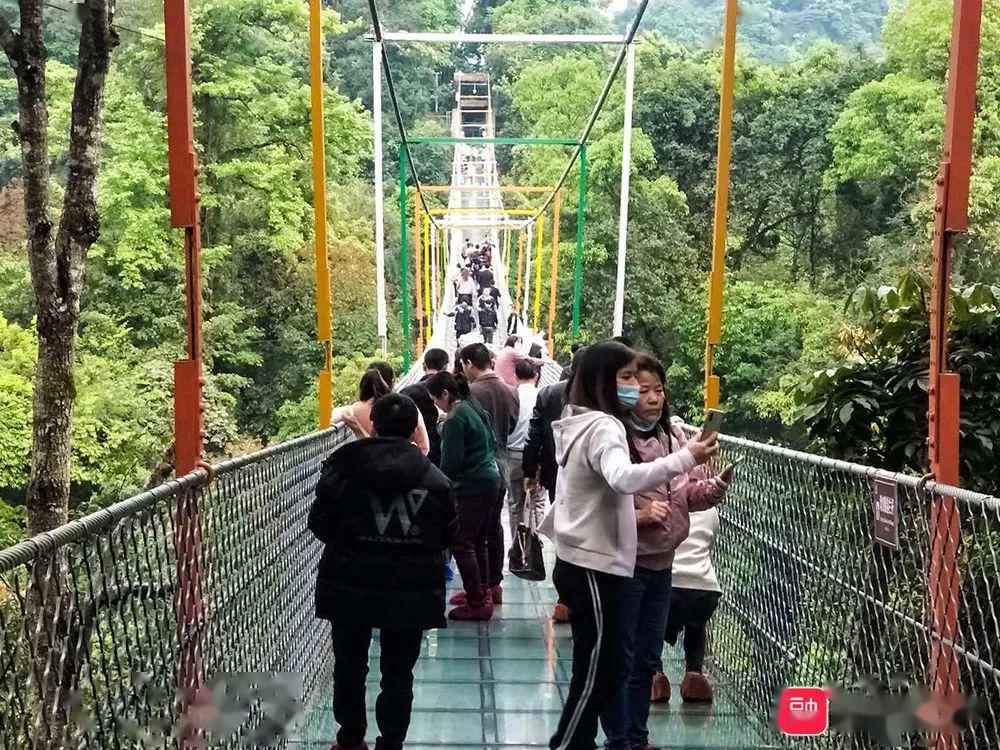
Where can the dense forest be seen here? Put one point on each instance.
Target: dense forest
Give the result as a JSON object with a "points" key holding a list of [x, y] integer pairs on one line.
{"points": [[771, 30], [838, 124]]}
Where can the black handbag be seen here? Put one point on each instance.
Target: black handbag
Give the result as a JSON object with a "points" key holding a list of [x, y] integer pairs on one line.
{"points": [[527, 547]]}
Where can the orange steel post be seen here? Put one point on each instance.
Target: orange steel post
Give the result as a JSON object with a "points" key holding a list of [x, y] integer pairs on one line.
{"points": [[418, 280], [951, 218], [324, 313], [188, 380], [554, 269]]}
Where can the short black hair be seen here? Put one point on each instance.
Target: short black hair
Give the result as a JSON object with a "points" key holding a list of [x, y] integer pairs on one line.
{"points": [[575, 347], [627, 341], [478, 354], [525, 370], [435, 359], [394, 416], [385, 370]]}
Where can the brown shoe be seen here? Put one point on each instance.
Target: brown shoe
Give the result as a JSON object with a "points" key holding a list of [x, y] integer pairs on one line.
{"points": [[659, 691], [696, 688], [467, 612], [560, 613]]}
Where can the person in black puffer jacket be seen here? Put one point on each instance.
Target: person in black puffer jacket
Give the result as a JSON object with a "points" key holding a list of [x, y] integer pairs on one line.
{"points": [[385, 516]]}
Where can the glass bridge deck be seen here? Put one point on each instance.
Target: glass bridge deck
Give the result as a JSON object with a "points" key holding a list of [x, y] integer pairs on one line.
{"points": [[501, 684]]}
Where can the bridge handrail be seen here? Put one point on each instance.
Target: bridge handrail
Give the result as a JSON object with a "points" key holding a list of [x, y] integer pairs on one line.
{"points": [[930, 486], [26, 550]]}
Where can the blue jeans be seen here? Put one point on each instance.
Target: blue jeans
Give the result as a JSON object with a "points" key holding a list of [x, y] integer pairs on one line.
{"points": [[644, 620]]}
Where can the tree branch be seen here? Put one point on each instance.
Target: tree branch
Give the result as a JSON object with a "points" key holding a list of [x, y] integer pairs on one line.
{"points": [[10, 40], [79, 227]]}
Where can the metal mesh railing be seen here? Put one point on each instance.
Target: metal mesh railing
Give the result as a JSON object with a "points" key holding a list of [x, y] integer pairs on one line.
{"points": [[105, 621], [810, 597]]}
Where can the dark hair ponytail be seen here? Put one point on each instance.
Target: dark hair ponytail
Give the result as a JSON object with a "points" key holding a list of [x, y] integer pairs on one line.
{"points": [[594, 385], [372, 386], [456, 385]]}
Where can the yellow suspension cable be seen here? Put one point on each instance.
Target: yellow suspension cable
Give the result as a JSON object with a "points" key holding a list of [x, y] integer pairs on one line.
{"points": [[554, 269], [417, 278], [713, 334], [539, 245], [427, 277], [517, 269]]}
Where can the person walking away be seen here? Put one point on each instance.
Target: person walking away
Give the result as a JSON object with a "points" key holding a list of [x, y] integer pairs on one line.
{"points": [[435, 360], [468, 460], [568, 369], [508, 356], [662, 521], [499, 401], [694, 598], [594, 528], [465, 321], [487, 320], [538, 461], [527, 393], [429, 415], [485, 277], [357, 416], [466, 287], [384, 515]]}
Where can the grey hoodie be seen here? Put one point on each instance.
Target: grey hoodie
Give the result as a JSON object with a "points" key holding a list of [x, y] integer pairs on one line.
{"points": [[592, 521]]}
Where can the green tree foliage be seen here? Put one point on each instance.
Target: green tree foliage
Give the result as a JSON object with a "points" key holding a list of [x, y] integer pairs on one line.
{"points": [[421, 72], [871, 406], [772, 30]]}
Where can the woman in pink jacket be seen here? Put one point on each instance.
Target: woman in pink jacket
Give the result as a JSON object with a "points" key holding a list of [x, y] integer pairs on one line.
{"points": [[662, 520], [508, 357]]}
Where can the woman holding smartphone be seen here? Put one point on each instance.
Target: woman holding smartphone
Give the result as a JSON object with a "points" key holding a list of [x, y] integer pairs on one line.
{"points": [[593, 524], [662, 519]]}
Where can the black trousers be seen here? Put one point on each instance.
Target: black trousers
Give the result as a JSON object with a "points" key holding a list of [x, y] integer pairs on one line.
{"points": [[596, 601], [400, 650], [690, 611]]}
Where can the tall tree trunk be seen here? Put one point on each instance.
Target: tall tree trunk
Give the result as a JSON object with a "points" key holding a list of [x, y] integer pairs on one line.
{"points": [[57, 264]]}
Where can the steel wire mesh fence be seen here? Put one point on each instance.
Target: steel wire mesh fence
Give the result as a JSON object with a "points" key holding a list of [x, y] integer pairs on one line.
{"points": [[811, 598], [103, 620], [100, 626]]}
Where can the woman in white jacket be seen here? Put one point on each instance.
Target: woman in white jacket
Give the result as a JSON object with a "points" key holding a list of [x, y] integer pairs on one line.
{"points": [[592, 523]]}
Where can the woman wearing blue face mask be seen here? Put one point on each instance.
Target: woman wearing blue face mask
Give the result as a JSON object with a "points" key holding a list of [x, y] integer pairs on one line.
{"points": [[593, 524]]}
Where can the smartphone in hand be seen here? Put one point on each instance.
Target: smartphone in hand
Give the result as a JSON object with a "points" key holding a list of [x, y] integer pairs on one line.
{"points": [[726, 475], [714, 419]]}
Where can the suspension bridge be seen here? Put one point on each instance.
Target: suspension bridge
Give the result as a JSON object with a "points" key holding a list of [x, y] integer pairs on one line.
{"points": [[191, 604]]}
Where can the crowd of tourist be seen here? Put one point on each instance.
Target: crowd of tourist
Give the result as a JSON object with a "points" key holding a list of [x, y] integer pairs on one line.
{"points": [[627, 503], [477, 299]]}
